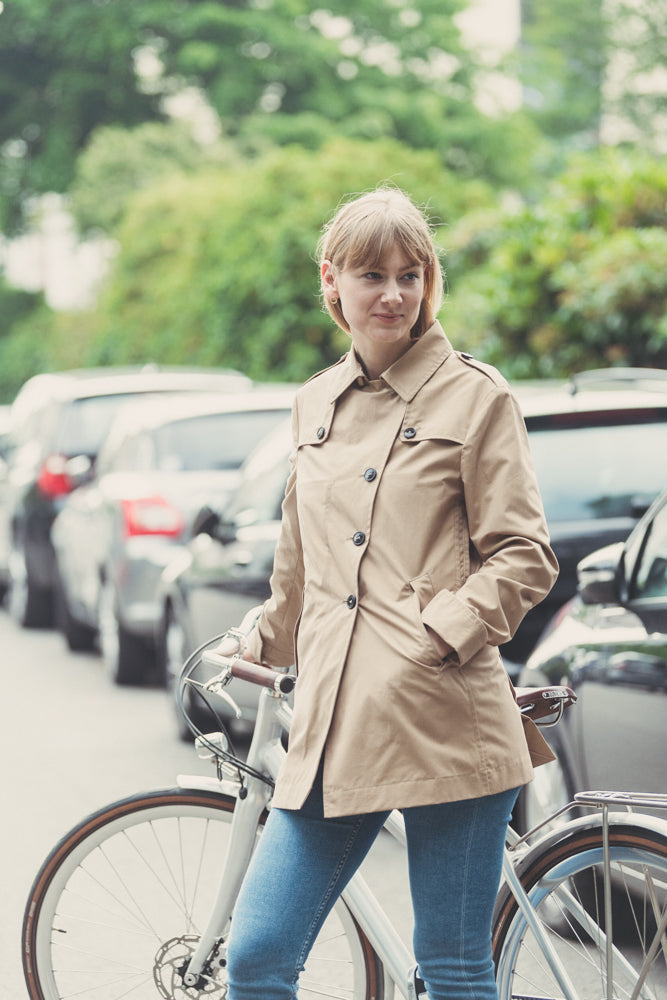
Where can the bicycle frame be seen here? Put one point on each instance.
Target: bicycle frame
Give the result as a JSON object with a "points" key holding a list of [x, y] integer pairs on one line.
{"points": [[253, 796]]}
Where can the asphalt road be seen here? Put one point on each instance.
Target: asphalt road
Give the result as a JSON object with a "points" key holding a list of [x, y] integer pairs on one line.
{"points": [[70, 742]]}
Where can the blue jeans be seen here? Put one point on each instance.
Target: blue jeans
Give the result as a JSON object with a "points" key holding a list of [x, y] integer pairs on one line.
{"points": [[303, 862]]}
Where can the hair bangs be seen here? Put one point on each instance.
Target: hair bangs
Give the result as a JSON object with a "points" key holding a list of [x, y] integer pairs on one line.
{"points": [[375, 237]]}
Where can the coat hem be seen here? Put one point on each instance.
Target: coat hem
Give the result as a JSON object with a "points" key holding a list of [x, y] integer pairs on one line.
{"points": [[407, 794]]}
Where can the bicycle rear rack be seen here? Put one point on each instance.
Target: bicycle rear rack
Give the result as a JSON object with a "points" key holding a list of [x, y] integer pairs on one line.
{"points": [[631, 800]]}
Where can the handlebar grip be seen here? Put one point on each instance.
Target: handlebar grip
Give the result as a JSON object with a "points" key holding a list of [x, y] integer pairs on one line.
{"points": [[264, 676], [255, 673]]}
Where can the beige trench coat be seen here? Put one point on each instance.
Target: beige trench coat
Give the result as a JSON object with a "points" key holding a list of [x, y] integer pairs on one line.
{"points": [[411, 500]]}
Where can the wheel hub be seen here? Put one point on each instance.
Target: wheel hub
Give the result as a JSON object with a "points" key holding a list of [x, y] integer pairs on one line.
{"points": [[171, 962]]}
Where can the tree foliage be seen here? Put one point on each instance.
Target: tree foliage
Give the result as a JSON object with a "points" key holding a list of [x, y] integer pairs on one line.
{"points": [[218, 268], [276, 72], [18, 355], [593, 73], [573, 282], [118, 162], [66, 67]]}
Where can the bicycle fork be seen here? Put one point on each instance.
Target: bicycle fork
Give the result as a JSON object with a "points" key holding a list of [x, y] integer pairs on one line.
{"points": [[245, 823]]}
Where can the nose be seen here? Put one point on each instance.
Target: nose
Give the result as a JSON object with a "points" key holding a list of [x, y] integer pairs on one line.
{"points": [[391, 291]]}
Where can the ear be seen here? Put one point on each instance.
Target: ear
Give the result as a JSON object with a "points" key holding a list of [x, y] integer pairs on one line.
{"points": [[328, 276]]}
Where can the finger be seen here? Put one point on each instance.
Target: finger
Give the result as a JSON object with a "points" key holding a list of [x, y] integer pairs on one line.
{"points": [[228, 646]]}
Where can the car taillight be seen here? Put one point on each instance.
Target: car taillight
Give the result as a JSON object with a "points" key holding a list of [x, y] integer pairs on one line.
{"points": [[151, 516], [53, 480]]}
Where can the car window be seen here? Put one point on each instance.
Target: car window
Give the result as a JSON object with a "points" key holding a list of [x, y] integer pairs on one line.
{"points": [[598, 472], [86, 422], [650, 578], [136, 453], [260, 495], [214, 440]]}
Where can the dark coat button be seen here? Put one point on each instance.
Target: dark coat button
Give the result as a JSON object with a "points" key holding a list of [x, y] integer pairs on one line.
{"points": [[409, 432], [351, 601], [369, 475], [321, 432], [358, 538]]}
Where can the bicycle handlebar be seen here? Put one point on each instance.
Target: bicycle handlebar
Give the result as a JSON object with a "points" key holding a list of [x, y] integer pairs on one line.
{"points": [[255, 673]]}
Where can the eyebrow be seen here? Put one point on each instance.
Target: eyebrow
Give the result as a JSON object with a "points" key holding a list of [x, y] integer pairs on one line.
{"points": [[378, 265]]}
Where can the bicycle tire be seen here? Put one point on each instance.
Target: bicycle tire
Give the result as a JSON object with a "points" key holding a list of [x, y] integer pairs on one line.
{"points": [[119, 903], [571, 861]]}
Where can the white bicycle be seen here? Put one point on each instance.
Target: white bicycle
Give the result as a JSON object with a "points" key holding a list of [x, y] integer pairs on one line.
{"points": [[136, 901]]}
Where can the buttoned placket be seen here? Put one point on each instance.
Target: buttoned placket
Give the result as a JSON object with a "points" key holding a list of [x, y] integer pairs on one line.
{"points": [[372, 475]]}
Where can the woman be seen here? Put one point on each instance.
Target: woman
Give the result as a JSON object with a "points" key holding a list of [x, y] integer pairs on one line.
{"points": [[413, 542]]}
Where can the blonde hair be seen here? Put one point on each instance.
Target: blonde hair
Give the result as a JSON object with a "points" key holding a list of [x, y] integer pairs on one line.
{"points": [[365, 229]]}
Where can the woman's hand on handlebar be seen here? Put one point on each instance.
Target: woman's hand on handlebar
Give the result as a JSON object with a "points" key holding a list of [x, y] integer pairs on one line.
{"points": [[234, 644], [235, 641]]}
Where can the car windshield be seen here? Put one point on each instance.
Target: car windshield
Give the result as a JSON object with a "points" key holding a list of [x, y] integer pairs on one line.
{"points": [[598, 472], [213, 440], [86, 423]]}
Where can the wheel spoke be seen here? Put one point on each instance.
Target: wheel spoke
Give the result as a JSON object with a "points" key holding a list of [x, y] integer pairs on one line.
{"points": [[116, 912], [568, 895]]}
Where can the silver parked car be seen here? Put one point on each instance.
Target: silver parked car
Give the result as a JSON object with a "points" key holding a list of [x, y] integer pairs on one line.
{"points": [[57, 424], [114, 536]]}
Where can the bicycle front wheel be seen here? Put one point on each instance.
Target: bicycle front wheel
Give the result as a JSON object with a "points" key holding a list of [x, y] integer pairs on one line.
{"points": [[565, 882], [118, 907]]}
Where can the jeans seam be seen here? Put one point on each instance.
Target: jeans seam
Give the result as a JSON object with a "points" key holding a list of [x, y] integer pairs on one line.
{"points": [[464, 895], [309, 938]]}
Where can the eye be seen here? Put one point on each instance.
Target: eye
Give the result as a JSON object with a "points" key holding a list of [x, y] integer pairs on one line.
{"points": [[411, 276], [372, 276]]}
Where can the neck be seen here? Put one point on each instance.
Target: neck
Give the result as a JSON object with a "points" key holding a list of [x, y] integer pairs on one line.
{"points": [[374, 362]]}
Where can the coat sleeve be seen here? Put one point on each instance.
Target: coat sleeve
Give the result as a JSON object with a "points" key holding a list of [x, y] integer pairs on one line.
{"points": [[513, 566], [272, 641]]}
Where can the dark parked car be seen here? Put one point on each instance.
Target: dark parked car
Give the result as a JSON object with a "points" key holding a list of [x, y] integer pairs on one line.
{"points": [[163, 460], [609, 643], [58, 423], [594, 441], [225, 570], [597, 443]]}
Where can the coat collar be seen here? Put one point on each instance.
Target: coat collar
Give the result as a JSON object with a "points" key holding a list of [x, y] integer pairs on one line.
{"points": [[407, 375]]}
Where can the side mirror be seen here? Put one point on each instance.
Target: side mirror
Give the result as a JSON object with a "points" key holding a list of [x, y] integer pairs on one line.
{"points": [[599, 575], [206, 522]]}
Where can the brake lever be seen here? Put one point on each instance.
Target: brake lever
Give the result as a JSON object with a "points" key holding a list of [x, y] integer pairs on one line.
{"points": [[216, 685]]}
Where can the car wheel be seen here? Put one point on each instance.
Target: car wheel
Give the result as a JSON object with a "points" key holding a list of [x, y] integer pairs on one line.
{"points": [[29, 605], [127, 657], [78, 636]]}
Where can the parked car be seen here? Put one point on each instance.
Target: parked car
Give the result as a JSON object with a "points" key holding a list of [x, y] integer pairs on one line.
{"points": [[57, 425], [609, 643], [163, 461], [594, 441], [223, 573], [4, 499]]}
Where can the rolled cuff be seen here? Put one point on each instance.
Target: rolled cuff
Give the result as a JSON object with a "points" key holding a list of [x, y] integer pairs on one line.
{"points": [[456, 624], [264, 652]]}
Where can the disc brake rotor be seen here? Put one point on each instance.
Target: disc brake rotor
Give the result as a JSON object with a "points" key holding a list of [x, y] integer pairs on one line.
{"points": [[170, 963]]}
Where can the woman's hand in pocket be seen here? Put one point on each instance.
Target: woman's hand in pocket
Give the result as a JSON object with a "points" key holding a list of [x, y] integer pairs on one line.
{"points": [[443, 648]]}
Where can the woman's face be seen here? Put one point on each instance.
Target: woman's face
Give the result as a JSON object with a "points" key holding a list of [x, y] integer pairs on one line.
{"points": [[381, 305]]}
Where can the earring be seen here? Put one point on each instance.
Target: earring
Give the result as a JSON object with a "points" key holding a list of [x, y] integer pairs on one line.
{"points": [[334, 300]]}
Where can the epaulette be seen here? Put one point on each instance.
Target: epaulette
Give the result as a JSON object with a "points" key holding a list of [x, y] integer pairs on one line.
{"points": [[323, 371], [481, 366]]}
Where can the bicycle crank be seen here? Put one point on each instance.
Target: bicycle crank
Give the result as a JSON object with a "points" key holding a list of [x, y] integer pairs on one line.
{"points": [[171, 962]]}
